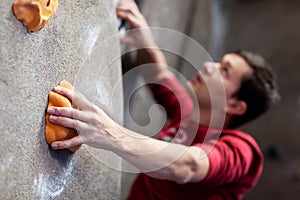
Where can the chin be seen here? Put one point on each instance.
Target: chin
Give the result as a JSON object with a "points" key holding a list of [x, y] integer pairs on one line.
{"points": [[190, 88]]}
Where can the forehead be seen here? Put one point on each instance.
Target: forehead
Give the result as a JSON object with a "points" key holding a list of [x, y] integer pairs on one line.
{"points": [[238, 64]]}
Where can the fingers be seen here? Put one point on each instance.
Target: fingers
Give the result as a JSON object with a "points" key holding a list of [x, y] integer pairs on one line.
{"points": [[67, 143], [72, 113], [78, 100], [69, 122], [127, 40], [64, 91], [128, 5], [130, 18], [129, 11]]}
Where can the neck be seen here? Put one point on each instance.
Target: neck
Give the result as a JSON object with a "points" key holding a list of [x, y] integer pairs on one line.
{"points": [[203, 115], [205, 118]]}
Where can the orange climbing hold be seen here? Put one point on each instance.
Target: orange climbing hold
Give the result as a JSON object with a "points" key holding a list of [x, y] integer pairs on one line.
{"points": [[34, 13], [56, 132]]}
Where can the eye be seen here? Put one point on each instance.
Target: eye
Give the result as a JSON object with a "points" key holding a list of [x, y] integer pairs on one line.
{"points": [[225, 71]]}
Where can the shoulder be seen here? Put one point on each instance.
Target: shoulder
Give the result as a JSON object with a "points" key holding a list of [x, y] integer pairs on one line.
{"points": [[234, 156], [241, 137]]}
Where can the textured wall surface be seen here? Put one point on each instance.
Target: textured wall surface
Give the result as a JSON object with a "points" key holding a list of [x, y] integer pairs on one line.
{"points": [[31, 64]]}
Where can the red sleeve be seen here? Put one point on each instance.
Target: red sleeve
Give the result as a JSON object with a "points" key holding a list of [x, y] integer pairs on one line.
{"points": [[233, 159], [174, 98]]}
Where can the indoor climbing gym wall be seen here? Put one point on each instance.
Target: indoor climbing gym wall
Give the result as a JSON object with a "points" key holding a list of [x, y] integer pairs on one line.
{"points": [[42, 43]]}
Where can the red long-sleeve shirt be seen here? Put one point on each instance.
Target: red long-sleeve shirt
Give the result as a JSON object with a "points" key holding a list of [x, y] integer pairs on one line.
{"points": [[236, 161]]}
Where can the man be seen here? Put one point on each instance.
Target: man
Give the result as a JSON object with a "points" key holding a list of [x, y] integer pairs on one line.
{"points": [[209, 163]]}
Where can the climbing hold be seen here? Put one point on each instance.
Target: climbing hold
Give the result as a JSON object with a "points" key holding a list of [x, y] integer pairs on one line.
{"points": [[56, 132], [34, 14]]}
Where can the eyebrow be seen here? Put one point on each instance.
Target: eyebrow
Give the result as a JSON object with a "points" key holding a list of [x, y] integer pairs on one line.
{"points": [[227, 62]]}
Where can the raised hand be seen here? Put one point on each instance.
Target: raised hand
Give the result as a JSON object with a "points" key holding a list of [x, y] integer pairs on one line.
{"points": [[90, 121], [140, 34]]}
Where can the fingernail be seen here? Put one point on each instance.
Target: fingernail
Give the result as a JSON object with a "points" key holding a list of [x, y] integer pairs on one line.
{"points": [[50, 110], [54, 145], [57, 88], [52, 117]]}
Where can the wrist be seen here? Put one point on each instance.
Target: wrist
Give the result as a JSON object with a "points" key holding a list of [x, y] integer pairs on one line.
{"points": [[126, 141]]}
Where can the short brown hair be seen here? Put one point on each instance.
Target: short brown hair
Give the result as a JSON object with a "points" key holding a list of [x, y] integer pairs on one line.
{"points": [[259, 90]]}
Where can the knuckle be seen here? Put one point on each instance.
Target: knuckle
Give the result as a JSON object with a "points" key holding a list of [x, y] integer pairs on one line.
{"points": [[64, 90], [62, 120], [95, 109], [74, 114], [59, 110], [99, 123], [75, 124], [67, 144], [95, 119]]}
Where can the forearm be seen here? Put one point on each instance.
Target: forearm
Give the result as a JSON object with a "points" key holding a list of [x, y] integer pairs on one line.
{"points": [[161, 159], [155, 66]]}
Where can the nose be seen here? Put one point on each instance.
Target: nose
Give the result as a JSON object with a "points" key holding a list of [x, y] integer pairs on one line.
{"points": [[209, 67]]}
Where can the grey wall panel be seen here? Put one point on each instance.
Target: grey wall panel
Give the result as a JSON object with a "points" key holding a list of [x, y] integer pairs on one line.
{"points": [[31, 64]]}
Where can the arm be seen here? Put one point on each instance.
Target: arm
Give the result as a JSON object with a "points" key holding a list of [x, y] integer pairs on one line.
{"points": [[234, 157], [153, 65], [163, 160], [159, 159], [140, 37]]}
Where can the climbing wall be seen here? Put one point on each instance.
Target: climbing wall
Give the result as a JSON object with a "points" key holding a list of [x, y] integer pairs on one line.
{"points": [[78, 44]]}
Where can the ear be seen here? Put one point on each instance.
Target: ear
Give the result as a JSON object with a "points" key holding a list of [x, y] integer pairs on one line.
{"points": [[235, 107]]}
